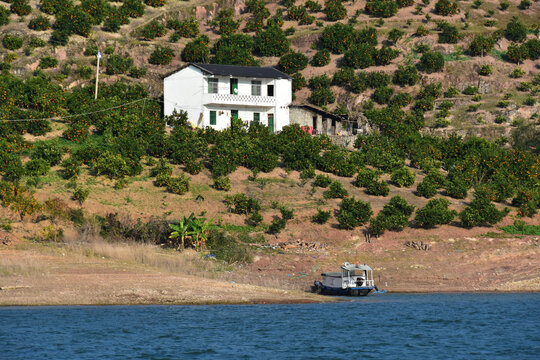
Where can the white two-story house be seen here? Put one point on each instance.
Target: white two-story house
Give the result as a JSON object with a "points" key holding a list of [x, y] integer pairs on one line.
{"points": [[212, 94]]}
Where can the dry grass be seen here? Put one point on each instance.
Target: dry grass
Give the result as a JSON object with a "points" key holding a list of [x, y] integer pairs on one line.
{"points": [[23, 266]]}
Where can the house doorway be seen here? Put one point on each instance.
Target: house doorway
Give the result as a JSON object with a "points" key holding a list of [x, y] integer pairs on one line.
{"points": [[314, 125], [271, 122], [234, 114]]}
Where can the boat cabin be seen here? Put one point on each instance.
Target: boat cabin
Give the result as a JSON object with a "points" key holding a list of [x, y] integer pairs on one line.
{"points": [[351, 276]]}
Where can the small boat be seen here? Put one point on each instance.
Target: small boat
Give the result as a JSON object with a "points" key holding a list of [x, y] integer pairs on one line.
{"points": [[353, 280]]}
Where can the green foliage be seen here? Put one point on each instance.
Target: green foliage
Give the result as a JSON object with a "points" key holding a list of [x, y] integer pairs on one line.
{"points": [[360, 56], [112, 165], [235, 49], [81, 194], [521, 228], [432, 61], [435, 213], [446, 8], [197, 50], [18, 199], [426, 188], [481, 45], [394, 216], [20, 7], [118, 64], [12, 42], [50, 151], [293, 62], [161, 56], [271, 42], [321, 217], [39, 23], [470, 90], [481, 212], [37, 167], [403, 177], [277, 225], [533, 48], [97, 9], [224, 22], [449, 33], [322, 97], [515, 30], [178, 185], [381, 8], [153, 30], [353, 213], [385, 54], [485, 70], [338, 38], [188, 28], [321, 58], [457, 188], [322, 181], [308, 173], [73, 21], [378, 188], [242, 204], [48, 62], [222, 183], [336, 191], [71, 168], [382, 94], [298, 82], [155, 3], [4, 16], [517, 53], [395, 35], [226, 248], [334, 10]]}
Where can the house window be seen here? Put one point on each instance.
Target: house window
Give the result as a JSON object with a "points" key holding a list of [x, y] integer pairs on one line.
{"points": [[256, 117], [213, 117], [234, 86], [256, 87], [270, 90], [212, 86]]}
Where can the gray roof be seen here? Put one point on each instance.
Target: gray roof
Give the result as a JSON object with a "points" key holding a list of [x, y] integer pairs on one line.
{"points": [[242, 71]]}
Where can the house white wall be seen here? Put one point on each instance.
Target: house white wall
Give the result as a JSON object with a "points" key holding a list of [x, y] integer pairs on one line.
{"points": [[188, 88]]}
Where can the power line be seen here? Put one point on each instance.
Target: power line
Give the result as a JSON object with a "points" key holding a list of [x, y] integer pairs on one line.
{"points": [[76, 115]]}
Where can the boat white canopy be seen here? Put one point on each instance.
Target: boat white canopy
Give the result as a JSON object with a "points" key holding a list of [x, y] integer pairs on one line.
{"points": [[352, 267]]}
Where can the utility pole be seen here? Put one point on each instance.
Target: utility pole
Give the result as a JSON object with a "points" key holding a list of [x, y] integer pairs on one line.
{"points": [[97, 74]]}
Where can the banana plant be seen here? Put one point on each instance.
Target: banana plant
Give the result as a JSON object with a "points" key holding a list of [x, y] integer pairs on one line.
{"points": [[200, 228], [182, 230]]}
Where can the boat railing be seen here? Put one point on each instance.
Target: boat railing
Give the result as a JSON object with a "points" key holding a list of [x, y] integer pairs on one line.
{"points": [[370, 283]]}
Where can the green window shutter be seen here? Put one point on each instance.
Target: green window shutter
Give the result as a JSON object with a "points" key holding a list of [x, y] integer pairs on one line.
{"points": [[256, 117], [213, 117]]}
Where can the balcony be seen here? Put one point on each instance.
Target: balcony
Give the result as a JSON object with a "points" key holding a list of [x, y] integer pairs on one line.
{"points": [[239, 100]]}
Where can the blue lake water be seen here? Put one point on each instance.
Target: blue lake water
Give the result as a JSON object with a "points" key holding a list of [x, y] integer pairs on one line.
{"points": [[389, 326]]}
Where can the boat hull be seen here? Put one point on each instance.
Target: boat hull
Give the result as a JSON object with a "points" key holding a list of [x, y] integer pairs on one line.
{"points": [[319, 288]]}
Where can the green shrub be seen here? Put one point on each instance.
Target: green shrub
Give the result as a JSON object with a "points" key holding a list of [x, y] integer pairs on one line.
{"points": [[485, 70], [178, 185], [48, 62], [39, 23], [308, 173], [277, 225], [517, 73], [321, 58], [426, 189], [353, 213], [20, 7], [335, 191], [338, 38], [153, 30], [435, 213], [394, 216], [517, 53], [313, 6], [293, 62], [118, 64], [457, 188], [322, 97], [446, 8], [481, 212], [401, 100], [235, 49], [533, 48], [366, 177], [81, 194], [322, 181], [114, 19], [4, 16], [406, 75], [449, 34], [226, 248], [432, 61], [136, 72], [321, 217], [360, 56], [403, 177], [470, 90], [224, 22], [334, 10], [37, 167], [197, 50], [161, 56], [286, 213], [73, 21], [154, 3], [71, 168], [51, 152], [112, 165], [298, 82], [382, 94], [378, 188], [12, 42], [481, 45], [242, 204], [381, 8], [385, 55], [222, 183], [515, 30], [271, 42], [521, 228]]}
